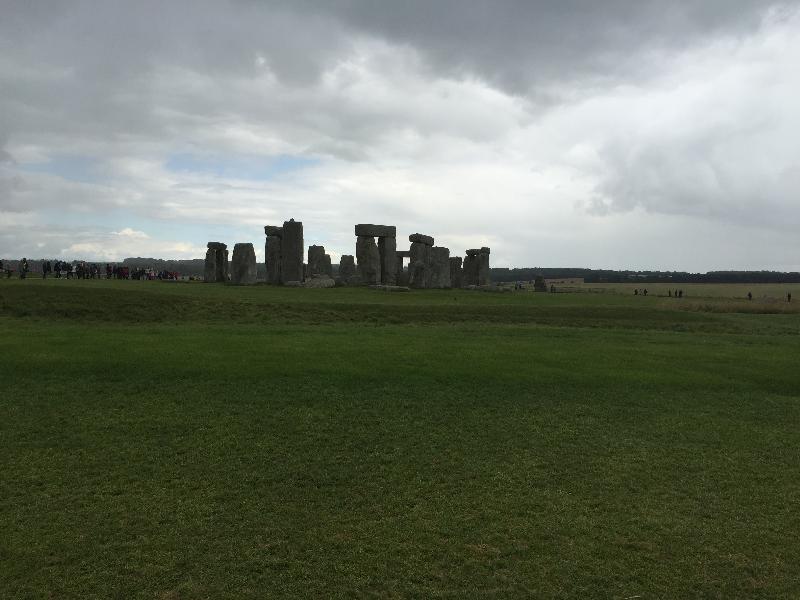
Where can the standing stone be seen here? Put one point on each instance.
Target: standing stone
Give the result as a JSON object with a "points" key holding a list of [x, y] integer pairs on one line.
{"points": [[243, 267], [292, 251], [456, 273], [484, 275], [347, 270], [369, 260], [387, 249], [272, 253], [471, 268], [222, 265], [316, 261], [440, 267], [215, 269], [210, 266], [419, 270]]}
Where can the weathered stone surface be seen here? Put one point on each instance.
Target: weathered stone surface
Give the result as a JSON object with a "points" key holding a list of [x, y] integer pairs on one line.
{"points": [[456, 272], [347, 270], [272, 257], [273, 230], [473, 252], [369, 260], [422, 239], [216, 246], [294, 283], [210, 266], [470, 270], [378, 231], [440, 267], [387, 249], [403, 254], [319, 263], [222, 266], [292, 251], [243, 266], [419, 268], [321, 281], [484, 277]]}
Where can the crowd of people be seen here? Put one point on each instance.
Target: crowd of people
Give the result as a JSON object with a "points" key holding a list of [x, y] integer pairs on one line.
{"points": [[61, 269]]}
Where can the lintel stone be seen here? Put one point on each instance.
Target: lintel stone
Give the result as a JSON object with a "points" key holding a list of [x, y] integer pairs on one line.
{"points": [[273, 230], [369, 230], [216, 246], [422, 239]]}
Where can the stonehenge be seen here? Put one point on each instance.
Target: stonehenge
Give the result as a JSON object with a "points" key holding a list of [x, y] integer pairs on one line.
{"points": [[243, 265], [216, 265], [375, 264]]}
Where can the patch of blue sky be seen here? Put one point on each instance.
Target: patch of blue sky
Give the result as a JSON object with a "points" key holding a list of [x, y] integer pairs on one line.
{"points": [[257, 168], [82, 169]]}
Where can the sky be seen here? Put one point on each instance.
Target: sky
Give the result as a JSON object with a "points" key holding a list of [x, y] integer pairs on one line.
{"points": [[618, 134]]}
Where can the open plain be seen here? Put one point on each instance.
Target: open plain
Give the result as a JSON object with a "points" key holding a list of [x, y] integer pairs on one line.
{"points": [[181, 440]]}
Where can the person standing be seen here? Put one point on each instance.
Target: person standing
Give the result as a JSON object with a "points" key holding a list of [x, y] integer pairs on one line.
{"points": [[46, 268], [23, 268]]}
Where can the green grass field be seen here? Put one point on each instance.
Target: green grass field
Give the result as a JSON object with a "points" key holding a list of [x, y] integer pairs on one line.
{"points": [[204, 441]]}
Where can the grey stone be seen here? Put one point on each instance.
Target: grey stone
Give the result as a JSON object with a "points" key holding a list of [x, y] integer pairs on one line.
{"points": [[272, 257], [422, 239], [484, 275], [222, 266], [319, 263], [440, 267], [473, 252], [273, 230], [369, 260], [404, 254], [470, 270], [390, 288], [292, 251], [210, 266], [215, 268], [387, 250], [347, 270], [419, 268], [243, 266], [293, 283], [321, 281], [456, 272], [368, 230]]}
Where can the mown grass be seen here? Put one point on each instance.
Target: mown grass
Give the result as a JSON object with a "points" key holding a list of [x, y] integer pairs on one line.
{"points": [[203, 441]]}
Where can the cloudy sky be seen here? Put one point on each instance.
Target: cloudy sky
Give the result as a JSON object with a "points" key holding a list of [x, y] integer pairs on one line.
{"points": [[617, 134]]}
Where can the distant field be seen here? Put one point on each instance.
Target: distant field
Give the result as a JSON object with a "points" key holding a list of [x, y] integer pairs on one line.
{"points": [[760, 291], [184, 440]]}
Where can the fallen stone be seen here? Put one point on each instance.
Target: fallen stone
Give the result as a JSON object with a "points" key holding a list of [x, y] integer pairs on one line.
{"points": [[320, 282], [390, 288]]}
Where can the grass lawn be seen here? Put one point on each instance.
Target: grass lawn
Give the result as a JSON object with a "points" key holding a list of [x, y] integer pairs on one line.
{"points": [[206, 441]]}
